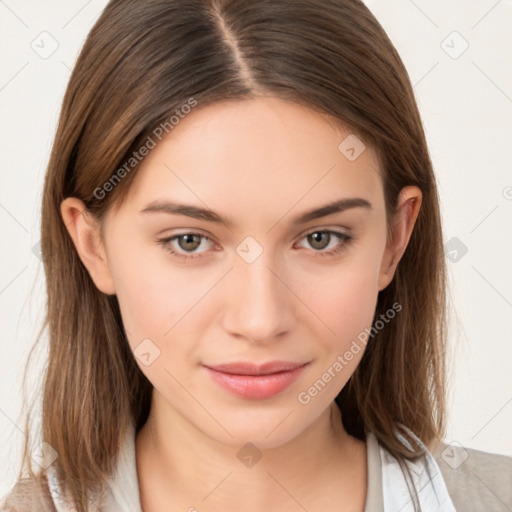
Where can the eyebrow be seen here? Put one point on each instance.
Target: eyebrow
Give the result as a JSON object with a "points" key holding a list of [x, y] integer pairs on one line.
{"points": [[171, 207]]}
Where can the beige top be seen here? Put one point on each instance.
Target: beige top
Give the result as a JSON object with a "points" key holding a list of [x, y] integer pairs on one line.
{"points": [[476, 481]]}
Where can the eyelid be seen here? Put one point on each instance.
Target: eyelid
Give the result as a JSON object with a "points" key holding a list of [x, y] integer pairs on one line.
{"points": [[326, 228], [344, 240], [208, 236]]}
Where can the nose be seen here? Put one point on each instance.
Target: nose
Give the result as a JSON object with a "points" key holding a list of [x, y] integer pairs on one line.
{"points": [[258, 305]]}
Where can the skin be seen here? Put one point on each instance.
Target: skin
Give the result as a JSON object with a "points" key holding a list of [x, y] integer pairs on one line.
{"points": [[261, 163]]}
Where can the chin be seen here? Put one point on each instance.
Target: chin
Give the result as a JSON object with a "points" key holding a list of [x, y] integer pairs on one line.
{"points": [[265, 425]]}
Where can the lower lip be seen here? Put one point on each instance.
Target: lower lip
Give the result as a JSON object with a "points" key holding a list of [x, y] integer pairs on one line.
{"points": [[256, 387]]}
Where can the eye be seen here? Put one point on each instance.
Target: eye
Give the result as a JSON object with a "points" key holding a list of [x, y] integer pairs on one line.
{"points": [[320, 239], [186, 242], [184, 245]]}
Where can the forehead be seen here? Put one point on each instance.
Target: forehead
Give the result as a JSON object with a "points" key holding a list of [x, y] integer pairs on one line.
{"points": [[254, 156]]}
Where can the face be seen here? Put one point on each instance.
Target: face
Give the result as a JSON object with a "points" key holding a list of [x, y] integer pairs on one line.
{"points": [[252, 283]]}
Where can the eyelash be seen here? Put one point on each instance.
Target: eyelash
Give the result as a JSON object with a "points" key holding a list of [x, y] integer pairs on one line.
{"points": [[332, 252]]}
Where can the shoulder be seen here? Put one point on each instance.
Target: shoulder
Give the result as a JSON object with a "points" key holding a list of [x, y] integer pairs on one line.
{"points": [[28, 496], [476, 480]]}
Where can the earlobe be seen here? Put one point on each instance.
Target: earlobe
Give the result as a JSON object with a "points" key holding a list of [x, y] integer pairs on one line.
{"points": [[84, 232], [404, 219]]}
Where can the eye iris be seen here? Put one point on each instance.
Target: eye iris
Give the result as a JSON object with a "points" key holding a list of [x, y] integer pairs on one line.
{"points": [[313, 239], [189, 240]]}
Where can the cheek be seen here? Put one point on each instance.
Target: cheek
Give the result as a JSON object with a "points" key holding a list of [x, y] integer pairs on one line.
{"points": [[160, 301], [345, 301], [152, 297], [344, 297]]}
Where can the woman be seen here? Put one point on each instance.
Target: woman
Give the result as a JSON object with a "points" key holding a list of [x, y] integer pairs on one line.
{"points": [[293, 357]]}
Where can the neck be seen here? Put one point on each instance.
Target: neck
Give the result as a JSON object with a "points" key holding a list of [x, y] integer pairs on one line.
{"points": [[182, 465]]}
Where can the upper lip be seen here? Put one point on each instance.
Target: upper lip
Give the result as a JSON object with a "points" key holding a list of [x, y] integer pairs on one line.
{"points": [[247, 368]]}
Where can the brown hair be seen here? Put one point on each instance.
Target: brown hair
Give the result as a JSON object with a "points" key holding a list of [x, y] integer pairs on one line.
{"points": [[143, 60]]}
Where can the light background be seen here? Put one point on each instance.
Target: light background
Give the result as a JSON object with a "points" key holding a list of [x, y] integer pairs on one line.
{"points": [[466, 105]]}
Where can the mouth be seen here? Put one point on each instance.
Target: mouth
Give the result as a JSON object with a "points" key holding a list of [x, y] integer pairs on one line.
{"points": [[257, 382]]}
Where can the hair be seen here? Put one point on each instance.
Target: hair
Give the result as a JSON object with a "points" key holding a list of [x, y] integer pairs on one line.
{"points": [[142, 61]]}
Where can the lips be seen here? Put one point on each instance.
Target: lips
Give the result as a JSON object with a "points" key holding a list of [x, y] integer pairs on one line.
{"points": [[242, 368], [252, 381]]}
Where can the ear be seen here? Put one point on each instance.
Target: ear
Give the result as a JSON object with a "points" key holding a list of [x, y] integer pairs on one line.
{"points": [[406, 213], [83, 229]]}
